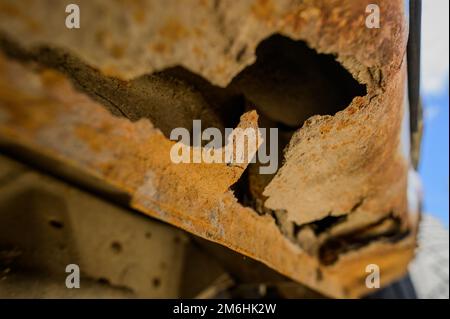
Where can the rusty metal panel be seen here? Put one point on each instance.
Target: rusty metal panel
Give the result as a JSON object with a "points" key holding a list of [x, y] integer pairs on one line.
{"points": [[339, 200]]}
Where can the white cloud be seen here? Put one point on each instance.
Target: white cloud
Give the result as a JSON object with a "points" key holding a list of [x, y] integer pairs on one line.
{"points": [[435, 45]]}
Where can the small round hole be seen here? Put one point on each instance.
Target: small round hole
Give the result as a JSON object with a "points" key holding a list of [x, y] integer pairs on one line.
{"points": [[56, 224], [156, 282], [116, 247], [103, 281]]}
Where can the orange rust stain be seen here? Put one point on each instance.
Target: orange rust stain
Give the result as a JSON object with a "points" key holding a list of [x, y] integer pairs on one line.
{"points": [[324, 129], [351, 110], [139, 16], [30, 112], [30, 120], [173, 30], [343, 124], [297, 17], [102, 37], [105, 39], [198, 32], [158, 47], [11, 10], [203, 3], [51, 79], [117, 51], [89, 135], [263, 9], [24, 108], [220, 69], [198, 52]]}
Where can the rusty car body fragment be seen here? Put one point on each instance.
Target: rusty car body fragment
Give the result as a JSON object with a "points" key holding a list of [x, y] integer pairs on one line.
{"points": [[97, 104]]}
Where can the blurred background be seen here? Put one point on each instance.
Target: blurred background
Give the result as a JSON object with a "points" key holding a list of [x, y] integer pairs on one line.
{"points": [[434, 91], [430, 270]]}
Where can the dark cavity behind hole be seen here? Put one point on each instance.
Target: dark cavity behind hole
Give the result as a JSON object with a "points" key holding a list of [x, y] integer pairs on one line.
{"points": [[156, 282], [289, 83], [116, 247], [56, 224]]}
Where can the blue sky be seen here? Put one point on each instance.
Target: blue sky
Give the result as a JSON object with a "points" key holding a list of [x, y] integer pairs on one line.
{"points": [[435, 155], [434, 166]]}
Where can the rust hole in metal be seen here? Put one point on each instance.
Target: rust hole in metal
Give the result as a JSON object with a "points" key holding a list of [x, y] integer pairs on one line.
{"points": [[56, 224]]}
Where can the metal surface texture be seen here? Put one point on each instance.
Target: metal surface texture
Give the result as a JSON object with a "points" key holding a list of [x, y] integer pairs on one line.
{"points": [[96, 105]]}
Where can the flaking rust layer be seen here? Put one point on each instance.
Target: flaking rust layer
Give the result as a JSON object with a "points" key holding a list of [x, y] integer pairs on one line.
{"points": [[348, 164]]}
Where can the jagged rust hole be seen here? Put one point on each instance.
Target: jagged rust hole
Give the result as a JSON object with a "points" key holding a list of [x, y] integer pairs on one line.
{"points": [[290, 82]]}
